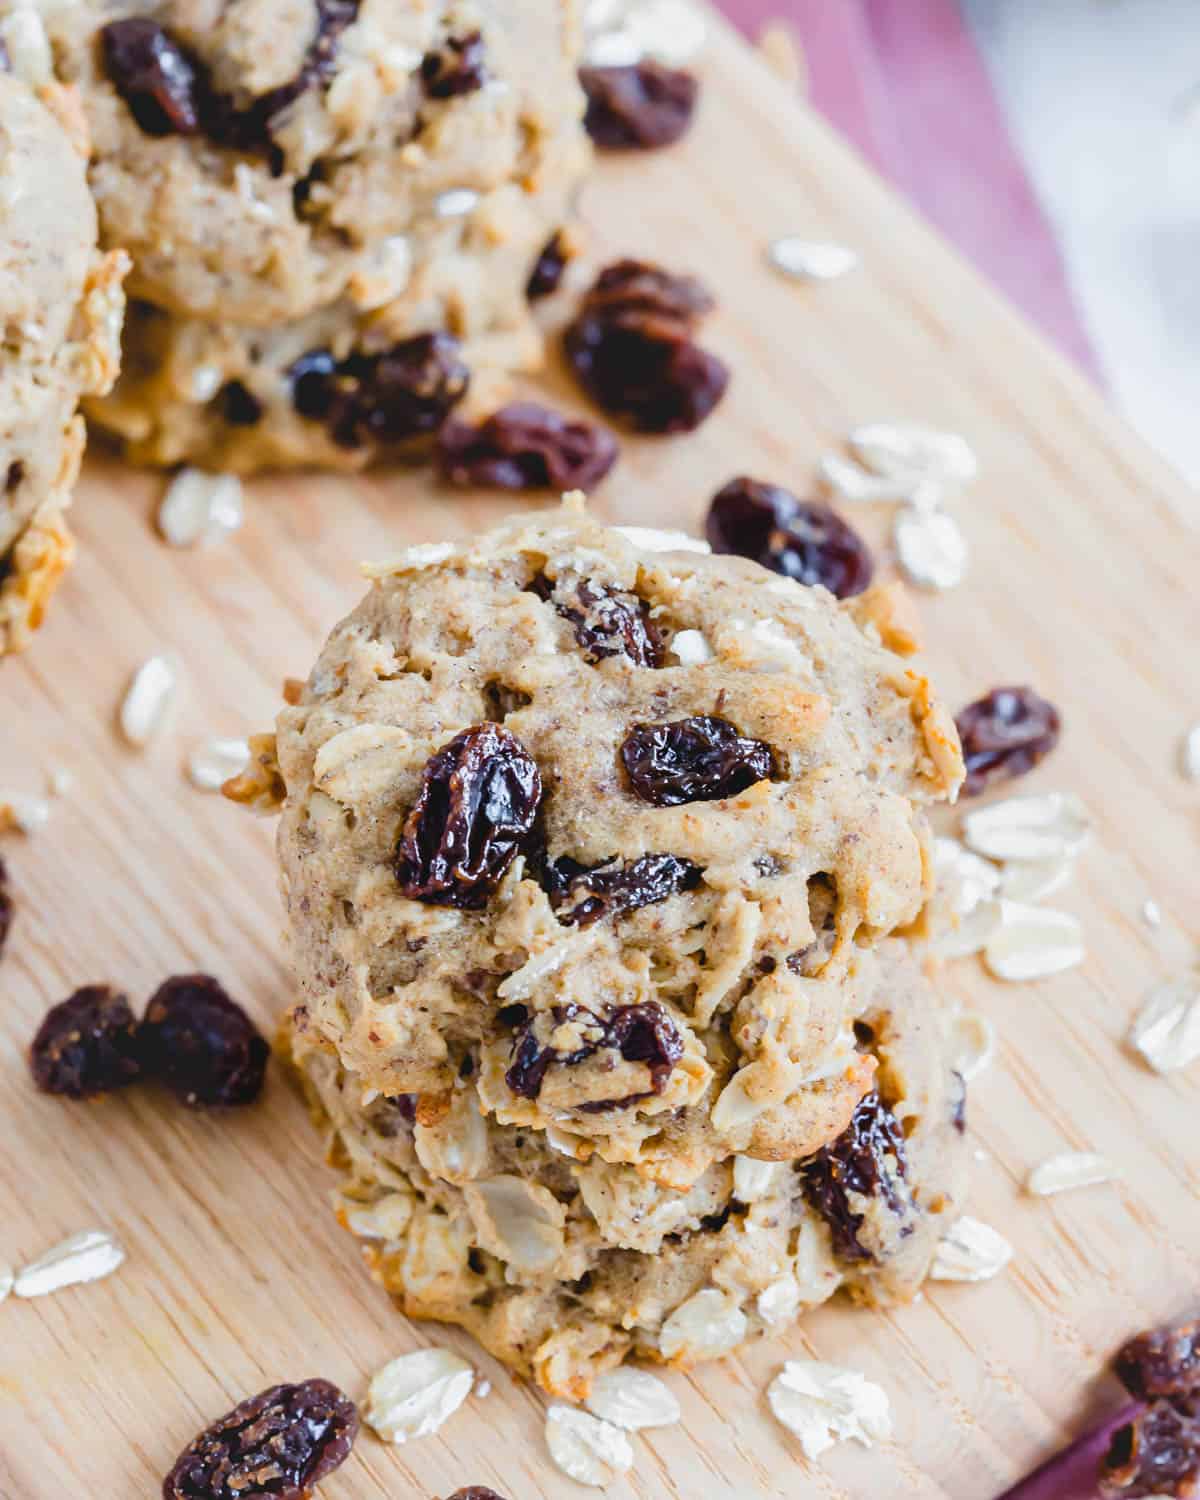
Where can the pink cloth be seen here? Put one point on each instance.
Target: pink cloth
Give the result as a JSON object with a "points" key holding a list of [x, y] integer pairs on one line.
{"points": [[904, 81]]}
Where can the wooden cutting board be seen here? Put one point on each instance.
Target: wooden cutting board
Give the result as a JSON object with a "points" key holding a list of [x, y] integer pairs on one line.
{"points": [[1083, 581]]}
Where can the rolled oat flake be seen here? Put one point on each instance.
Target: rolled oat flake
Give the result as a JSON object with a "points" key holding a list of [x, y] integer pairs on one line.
{"points": [[930, 548], [585, 1448], [89, 1255], [811, 260]]}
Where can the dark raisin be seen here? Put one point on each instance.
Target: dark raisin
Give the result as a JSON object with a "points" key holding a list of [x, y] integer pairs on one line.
{"points": [[157, 77], [798, 538], [632, 350], [476, 1492], [609, 622], [1156, 1454], [477, 805], [638, 106], [279, 1444], [248, 127], [645, 1033], [700, 759], [524, 446], [1163, 1362], [613, 890], [13, 476], [548, 269], [87, 1045], [239, 406], [202, 1044], [457, 67], [408, 391], [7, 906], [394, 1116], [640, 1033], [1004, 735], [866, 1160]]}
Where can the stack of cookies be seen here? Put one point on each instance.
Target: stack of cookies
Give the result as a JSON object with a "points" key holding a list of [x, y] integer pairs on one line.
{"points": [[333, 207], [592, 848]]}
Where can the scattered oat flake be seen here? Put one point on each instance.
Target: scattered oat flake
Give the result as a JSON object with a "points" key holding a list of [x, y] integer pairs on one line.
{"points": [[930, 548], [633, 1399], [670, 31], [24, 814], [147, 700], [1034, 879], [61, 782], [1070, 1169], [1189, 754], [970, 1251], [969, 932], [212, 763], [1167, 1029], [848, 482], [971, 1043], [811, 260], [909, 450], [1046, 825], [824, 1404], [585, 1448], [1151, 913], [1033, 942], [201, 509], [89, 1255], [454, 203], [964, 879], [415, 1394], [651, 539]]}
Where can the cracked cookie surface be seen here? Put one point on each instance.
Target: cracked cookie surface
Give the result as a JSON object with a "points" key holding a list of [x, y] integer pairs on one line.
{"points": [[477, 886]]}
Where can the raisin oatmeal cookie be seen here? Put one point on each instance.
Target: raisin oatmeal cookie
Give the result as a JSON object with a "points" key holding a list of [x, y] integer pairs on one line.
{"points": [[563, 1265], [603, 828], [60, 320], [333, 207]]}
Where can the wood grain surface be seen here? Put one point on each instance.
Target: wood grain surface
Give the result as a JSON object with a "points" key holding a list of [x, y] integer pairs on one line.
{"points": [[1083, 581]]}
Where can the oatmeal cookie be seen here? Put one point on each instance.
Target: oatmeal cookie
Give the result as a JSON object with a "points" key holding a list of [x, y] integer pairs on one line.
{"points": [[60, 318], [333, 207], [603, 828], [563, 1265]]}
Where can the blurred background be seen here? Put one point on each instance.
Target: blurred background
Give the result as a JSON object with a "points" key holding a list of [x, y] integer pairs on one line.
{"points": [[1057, 143]]}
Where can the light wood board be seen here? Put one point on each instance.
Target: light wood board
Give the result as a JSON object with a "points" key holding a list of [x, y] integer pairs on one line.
{"points": [[1083, 581]]}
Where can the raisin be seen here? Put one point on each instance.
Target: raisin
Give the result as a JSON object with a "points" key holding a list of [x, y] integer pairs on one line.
{"points": [[632, 350], [865, 1160], [1004, 735], [87, 1045], [278, 1444], [202, 1044], [13, 476], [641, 1033], [239, 406], [477, 805], [159, 80], [407, 391], [524, 446], [607, 621], [548, 269], [458, 67], [798, 538], [614, 890], [476, 1492], [1163, 1362], [700, 759], [7, 906], [638, 106], [1156, 1454]]}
